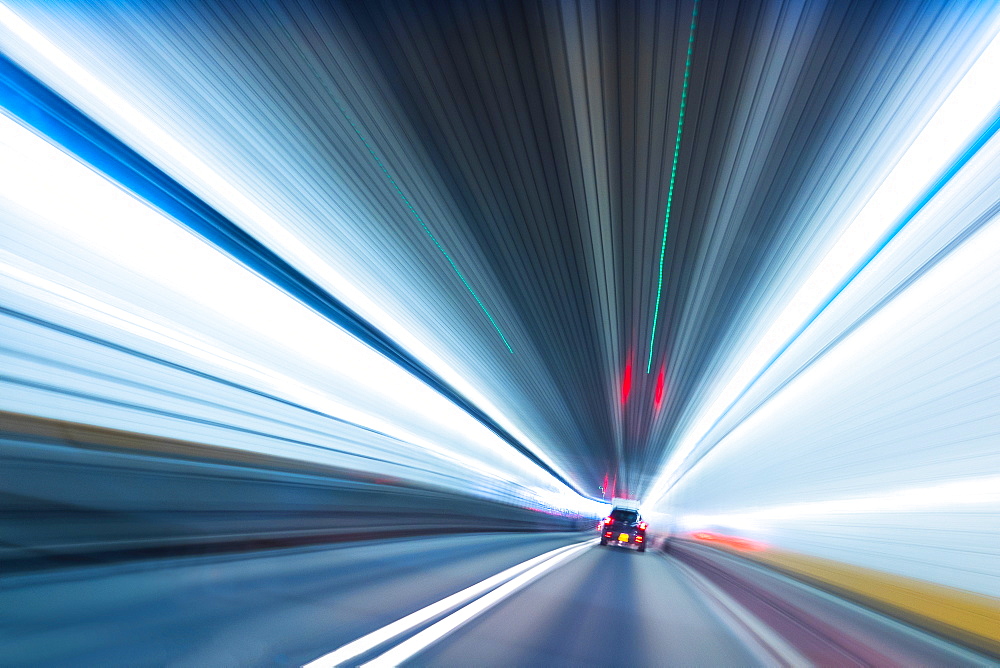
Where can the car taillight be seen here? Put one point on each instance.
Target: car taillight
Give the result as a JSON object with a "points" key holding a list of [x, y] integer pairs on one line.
{"points": [[642, 526], [608, 520], [638, 539], [607, 533]]}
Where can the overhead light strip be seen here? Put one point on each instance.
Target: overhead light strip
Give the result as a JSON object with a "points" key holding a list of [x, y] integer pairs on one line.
{"points": [[423, 225], [673, 179]]}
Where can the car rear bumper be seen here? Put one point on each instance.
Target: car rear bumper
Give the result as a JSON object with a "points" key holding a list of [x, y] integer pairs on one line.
{"points": [[623, 537]]}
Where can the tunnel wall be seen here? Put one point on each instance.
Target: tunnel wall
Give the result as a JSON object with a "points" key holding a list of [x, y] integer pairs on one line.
{"points": [[972, 620], [75, 494], [874, 439]]}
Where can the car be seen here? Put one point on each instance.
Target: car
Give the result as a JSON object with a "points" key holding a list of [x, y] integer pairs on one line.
{"points": [[624, 526]]}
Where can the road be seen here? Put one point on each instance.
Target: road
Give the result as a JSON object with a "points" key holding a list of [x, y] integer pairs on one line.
{"points": [[288, 607], [609, 606]]}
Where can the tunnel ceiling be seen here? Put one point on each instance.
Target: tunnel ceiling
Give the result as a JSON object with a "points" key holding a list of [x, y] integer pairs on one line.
{"points": [[497, 174]]}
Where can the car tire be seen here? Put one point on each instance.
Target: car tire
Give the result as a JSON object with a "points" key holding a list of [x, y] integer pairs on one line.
{"points": [[604, 541], [642, 548]]}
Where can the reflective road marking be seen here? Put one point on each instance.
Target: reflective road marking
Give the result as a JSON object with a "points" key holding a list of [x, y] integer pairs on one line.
{"points": [[401, 626], [435, 632]]}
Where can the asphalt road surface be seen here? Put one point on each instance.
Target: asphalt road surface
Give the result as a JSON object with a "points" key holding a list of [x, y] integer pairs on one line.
{"points": [[535, 599], [609, 606]]}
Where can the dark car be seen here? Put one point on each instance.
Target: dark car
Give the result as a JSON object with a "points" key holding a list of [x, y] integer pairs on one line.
{"points": [[624, 526]]}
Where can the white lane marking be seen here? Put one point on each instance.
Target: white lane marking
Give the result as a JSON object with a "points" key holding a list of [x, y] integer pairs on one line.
{"points": [[755, 631], [435, 632], [375, 638]]}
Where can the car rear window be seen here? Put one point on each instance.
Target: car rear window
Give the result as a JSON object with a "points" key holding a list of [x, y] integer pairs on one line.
{"points": [[624, 515]]}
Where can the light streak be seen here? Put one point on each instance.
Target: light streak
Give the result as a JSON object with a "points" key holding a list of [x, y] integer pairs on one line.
{"points": [[961, 125], [254, 329], [124, 116], [673, 178], [423, 225]]}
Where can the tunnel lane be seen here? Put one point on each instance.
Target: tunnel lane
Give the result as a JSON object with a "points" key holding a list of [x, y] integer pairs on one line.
{"points": [[610, 606], [291, 606], [596, 606]]}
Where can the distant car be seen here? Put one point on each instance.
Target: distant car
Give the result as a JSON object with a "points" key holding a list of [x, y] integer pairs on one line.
{"points": [[624, 526]]}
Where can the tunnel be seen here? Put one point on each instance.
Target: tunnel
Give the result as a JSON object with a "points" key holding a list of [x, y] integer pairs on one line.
{"points": [[499, 333]]}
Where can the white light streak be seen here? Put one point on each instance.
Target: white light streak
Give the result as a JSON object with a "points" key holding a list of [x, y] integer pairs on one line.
{"points": [[251, 320], [954, 495], [47, 61], [953, 126]]}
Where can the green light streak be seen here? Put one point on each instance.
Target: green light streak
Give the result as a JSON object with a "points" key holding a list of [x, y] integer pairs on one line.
{"points": [[426, 229], [673, 178]]}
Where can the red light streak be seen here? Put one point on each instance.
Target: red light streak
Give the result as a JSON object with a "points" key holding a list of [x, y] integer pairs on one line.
{"points": [[730, 541], [627, 383], [660, 379]]}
